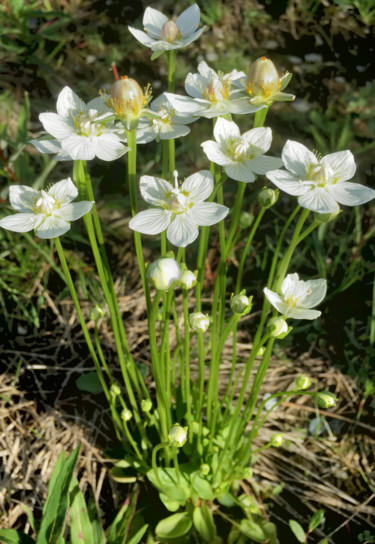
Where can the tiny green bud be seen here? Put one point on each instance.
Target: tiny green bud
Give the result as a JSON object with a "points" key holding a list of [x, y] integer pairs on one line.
{"points": [[245, 220], [163, 272], [303, 382], [326, 217], [276, 440], [199, 322], [97, 313], [247, 473], [277, 326], [261, 351], [146, 405], [240, 304], [205, 469], [268, 197], [115, 390], [126, 414], [188, 279], [177, 435], [326, 399], [160, 316]]}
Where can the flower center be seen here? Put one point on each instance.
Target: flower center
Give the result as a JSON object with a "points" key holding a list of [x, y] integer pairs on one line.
{"points": [[292, 301], [239, 149], [46, 204], [321, 174], [85, 125], [218, 88]]}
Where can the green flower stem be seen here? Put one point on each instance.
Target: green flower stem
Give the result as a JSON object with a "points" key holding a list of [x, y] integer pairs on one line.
{"points": [[199, 414], [171, 56], [176, 465], [131, 136], [101, 354], [164, 172], [157, 370], [185, 366], [213, 383], [85, 331], [179, 349], [154, 464], [165, 352], [230, 443], [260, 117], [235, 215], [246, 249]]}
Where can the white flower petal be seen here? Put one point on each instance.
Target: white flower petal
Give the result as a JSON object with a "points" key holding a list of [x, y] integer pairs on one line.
{"points": [[187, 41], [288, 182], [153, 21], [182, 230], [68, 101], [142, 36], [171, 131], [206, 71], [79, 147], [298, 159], [351, 194], [64, 191], [239, 79], [55, 125], [215, 154], [194, 84], [289, 284], [342, 163], [225, 130], [151, 221], [21, 222], [22, 198], [52, 227], [318, 200], [199, 186], [242, 106], [184, 104], [260, 138], [318, 290], [240, 171], [262, 165], [276, 301], [108, 147], [47, 146], [208, 213], [188, 21], [74, 210], [302, 313], [155, 191], [100, 105]]}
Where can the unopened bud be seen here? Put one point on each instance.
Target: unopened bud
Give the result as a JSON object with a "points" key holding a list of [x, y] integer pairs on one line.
{"points": [[97, 313], [188, 279], [277, 327], [177, 435], [303, 382], [126, 414], [205, 469], [268, 197], [326, 217], [240, 304], [262, 78], [246, 220], [127, 99], [115, 390], [261, 351], [146, 405], [326, 399], [163, 272], [169, 31], [199, 322], [276, 440]]}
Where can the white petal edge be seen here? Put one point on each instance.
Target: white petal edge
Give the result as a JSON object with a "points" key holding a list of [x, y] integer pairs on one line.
{"points": [[215, 154], [64, 190], [154, 190], [342, 164], [288, 182], [153, 21], [152, 221], [56, 125], [319, 200], [68, 101], [297, 158], [206, 214], [52, 227], [22, 197], [21, 222], [199, 186], [188, 21], [74, 210], [182, 230], [351, 194], [79, 147]]}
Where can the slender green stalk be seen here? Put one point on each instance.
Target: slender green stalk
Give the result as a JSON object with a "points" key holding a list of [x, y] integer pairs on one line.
{"points": [[185, 369], [154, 465], [246, 249], [171, 55], [260, 117], [199, 414], [235, 215]]}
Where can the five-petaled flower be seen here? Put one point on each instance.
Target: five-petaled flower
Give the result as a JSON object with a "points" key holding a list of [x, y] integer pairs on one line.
{"points": [[241, 156], [211, 94], [298, 297], [320, 183], [162, 34], [81, 131], [48, 212], [179, 210]]}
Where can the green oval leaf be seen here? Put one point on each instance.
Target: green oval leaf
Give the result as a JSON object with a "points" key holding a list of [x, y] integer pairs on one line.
{"points": [[202, 487], [11, 536], [316, 519], [204, 522], [253, 530], [174, 526], [298, 530]]}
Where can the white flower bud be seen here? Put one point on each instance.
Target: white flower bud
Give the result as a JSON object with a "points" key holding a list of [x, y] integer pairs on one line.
{"points": [[146, 405], [169, 31], [240, 304], [276, 440], [326, 399], [126, 97], [268, 197], [163, 272], [263, 78], [303, 382], [246, 220], [277, 326], [199, 322], [188, 279], [97, 313], [115, 390], [177, 435], [126, 414], [326, 217]]}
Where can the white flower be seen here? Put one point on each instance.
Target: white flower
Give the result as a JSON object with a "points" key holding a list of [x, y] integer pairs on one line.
{"points": [[48, 212], [162, 34], [210, 95], [241, 156], [163, 272], [320, 184], [297, 297], [166, 126], [188, 279], [180, 210], [82, 131]]}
